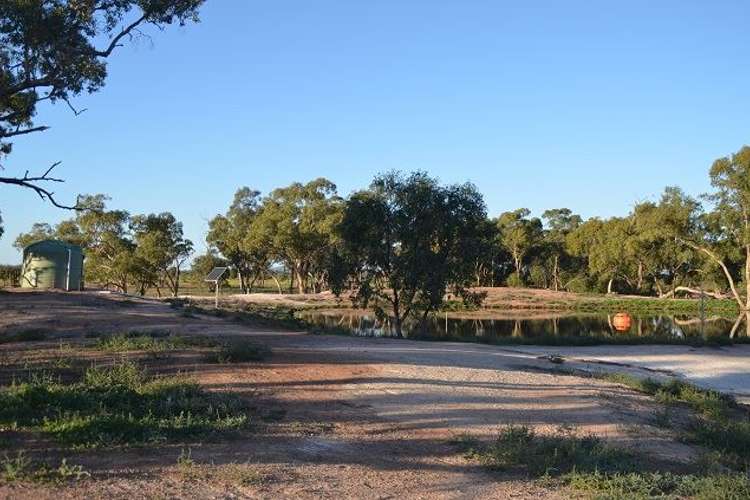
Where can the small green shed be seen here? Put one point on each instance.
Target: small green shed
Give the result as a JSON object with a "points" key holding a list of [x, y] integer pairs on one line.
{"points": [[52, 264]]}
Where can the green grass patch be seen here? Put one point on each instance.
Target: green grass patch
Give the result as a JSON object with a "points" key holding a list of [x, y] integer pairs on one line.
{"points": [[591, 467], [649, 485], [519, 447], [119, 405], [652, 305], [152, 342]]}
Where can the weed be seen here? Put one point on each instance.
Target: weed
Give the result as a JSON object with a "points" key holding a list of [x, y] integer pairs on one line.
{"points": [[521, 447], [22, 469], [16, 468], [587, 465], [233, 473], [185, 459]]}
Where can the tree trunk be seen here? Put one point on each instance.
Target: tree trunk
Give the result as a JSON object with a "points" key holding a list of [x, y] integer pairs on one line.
{"points": [[397, 314], [176, 290], [278, 285], [743, 305], [639, 284], [301, 280], [556, 273], [747, 280], [609, 286]]}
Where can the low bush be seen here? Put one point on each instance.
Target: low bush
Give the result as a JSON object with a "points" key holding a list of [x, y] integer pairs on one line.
{"points": [[238, 351]]}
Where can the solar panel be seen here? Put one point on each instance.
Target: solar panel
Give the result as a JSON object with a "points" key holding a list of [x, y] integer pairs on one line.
{"points": [[216, 273]]}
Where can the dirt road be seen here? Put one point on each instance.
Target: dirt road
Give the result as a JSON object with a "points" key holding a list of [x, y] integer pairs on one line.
{"points": [[350, 417]]}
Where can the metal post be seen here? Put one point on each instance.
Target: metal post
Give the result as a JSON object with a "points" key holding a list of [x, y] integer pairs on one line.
{"points": [[67, 277], [217, 282]]}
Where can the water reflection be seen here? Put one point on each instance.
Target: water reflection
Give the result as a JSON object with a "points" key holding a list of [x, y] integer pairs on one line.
{"points": [[485, 329]]}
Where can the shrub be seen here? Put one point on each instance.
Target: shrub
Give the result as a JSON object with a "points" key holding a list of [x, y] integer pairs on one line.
{"points": [[240, 352]]}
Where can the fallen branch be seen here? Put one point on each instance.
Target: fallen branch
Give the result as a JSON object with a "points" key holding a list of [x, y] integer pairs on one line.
{"points": [[715, 295]]}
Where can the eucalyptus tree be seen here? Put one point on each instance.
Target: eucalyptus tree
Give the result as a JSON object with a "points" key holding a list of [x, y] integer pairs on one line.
{"points": [[560, 222], [662, 259], [236, 236], [55, 50], [297, 223], [106, 239], [39, 231], [729, 221], [104, 235], [161, 250], [602, 245], [407, 239], [203, 264], [519, 234]]}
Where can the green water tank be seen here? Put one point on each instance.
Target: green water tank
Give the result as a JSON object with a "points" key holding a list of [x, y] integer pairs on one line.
{"points": [[52, 264]]}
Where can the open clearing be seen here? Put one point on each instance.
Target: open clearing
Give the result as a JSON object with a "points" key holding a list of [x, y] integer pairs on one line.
{"points": [[340, 416]]}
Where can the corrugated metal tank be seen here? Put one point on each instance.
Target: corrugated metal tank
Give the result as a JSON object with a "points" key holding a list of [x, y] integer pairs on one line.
{"points": [[52, 264]]}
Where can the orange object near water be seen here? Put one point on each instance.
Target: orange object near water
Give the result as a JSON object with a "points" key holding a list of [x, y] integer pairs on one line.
{"points": [[622, 322]]}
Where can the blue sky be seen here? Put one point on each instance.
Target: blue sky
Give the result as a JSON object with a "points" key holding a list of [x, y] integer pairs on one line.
{"points": [[586, 105]]}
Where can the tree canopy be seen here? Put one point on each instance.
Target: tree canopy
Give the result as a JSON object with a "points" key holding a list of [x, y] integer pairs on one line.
{"points": [[406, 239], [55, 50]]}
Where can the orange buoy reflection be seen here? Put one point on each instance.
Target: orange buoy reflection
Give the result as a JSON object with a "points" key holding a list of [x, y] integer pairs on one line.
{"points": [[622, 322]]}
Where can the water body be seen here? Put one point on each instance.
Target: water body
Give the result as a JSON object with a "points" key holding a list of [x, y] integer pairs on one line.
{"points": [[494, 327]]}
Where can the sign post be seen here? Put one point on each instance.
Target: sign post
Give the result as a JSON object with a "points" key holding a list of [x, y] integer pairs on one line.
{"points": [[215, 277]]}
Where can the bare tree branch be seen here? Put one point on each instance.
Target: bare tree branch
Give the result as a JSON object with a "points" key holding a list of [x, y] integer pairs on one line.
{"points": [[32, 182], [114, 43], [17, 132]]}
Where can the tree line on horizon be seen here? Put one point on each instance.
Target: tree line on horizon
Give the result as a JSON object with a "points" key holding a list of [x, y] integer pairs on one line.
{"points": [[406, 240]]}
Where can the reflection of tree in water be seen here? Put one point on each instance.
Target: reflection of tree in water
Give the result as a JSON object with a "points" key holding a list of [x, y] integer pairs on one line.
{"points": [[487, 329]]}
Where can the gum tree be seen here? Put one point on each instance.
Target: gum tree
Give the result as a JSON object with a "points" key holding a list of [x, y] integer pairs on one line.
{"points": [[730, 220], [519, 234], [405, 240]]}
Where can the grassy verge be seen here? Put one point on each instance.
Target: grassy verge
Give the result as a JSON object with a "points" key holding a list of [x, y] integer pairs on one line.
{"points": [[588, 465], [119, 405], [719, 423], [653, 305], [156, 341]]}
